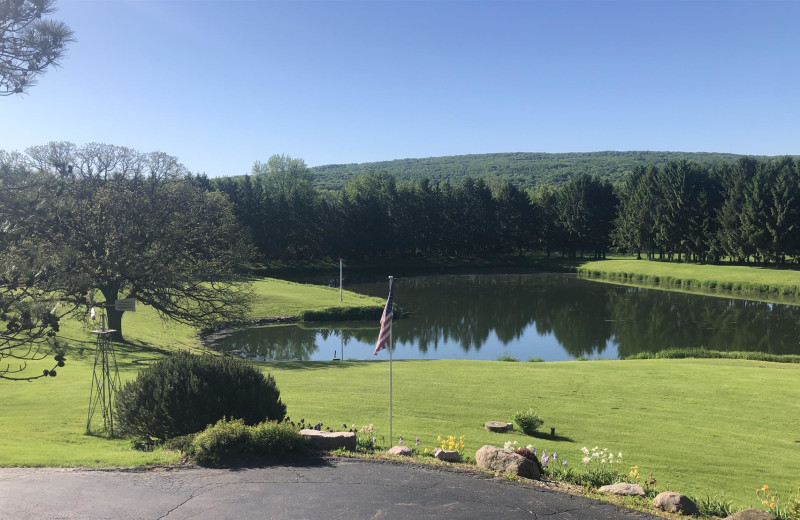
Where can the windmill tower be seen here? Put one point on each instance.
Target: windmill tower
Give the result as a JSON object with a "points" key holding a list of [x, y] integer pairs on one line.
{"points": [[105, 381]]}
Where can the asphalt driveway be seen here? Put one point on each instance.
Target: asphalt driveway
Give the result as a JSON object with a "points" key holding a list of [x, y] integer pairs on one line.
{"points": [[315, 489]]}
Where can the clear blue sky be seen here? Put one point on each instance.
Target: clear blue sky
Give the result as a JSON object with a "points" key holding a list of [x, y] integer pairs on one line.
{"points": [[221, 84]]}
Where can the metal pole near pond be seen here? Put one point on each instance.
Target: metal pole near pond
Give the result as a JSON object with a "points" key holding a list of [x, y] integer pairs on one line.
{"points": [[340, 280], [385, 341]]}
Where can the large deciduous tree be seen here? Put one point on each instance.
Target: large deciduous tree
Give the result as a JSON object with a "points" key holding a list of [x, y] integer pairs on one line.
{"points": [[129, 224], [29, 43], [29, 315]]}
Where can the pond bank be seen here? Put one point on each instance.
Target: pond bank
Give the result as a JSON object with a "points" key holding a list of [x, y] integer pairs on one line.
{"points": [[754, 281]]}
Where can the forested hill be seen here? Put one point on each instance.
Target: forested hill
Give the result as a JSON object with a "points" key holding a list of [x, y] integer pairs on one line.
{"points": [[523, 169]]}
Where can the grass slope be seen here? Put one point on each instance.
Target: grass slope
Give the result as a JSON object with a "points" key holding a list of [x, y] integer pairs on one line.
{"points": [[736, 277], [282, 298]]}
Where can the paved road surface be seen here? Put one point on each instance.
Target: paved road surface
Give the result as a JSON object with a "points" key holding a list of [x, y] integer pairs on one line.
{"points": [[331, 488]]}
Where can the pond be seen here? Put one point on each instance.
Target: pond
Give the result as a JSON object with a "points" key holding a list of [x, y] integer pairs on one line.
{"points": [[551, 317]]}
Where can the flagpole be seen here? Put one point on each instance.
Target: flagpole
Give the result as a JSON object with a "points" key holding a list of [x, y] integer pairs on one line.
{"points": [[391, 439]]}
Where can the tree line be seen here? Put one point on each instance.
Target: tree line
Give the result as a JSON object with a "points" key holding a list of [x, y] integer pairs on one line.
{"points": [[374, 216], [745, 210]]}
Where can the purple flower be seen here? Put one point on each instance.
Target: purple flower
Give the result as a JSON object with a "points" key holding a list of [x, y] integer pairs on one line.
{"points": [[417, 441], [565, 464], [401, 440], [545, 460], [555, 455]]}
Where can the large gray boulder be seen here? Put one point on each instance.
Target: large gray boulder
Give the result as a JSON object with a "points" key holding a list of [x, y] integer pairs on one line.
{"points": [[623, 488], [676, 503], [752, 514], [496, 459], [325, 441]]}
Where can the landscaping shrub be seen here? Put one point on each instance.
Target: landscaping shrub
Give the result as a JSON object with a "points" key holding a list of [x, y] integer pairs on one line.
{"points": [[220, 442], [528, 421], [274, 438], [233, 439], [184, 393]]}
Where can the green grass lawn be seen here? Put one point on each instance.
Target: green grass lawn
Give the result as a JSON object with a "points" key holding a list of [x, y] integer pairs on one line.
{"points": [[738, 277], [282, 298], [700, 426]]}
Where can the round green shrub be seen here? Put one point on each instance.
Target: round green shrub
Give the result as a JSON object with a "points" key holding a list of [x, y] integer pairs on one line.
{"points": [[528, 421], [184, 393], [220, 442], [275, 439], [226, 441]]}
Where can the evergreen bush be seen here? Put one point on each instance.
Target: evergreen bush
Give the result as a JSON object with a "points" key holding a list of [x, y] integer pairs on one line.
{"points": [[184, 393], [528, 421]]}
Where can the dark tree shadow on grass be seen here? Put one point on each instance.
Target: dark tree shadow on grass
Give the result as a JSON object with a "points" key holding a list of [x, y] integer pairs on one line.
{"points": [[545, 436]]}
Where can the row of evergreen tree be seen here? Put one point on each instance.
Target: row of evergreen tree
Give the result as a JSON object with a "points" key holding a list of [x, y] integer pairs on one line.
{"points": [[741, 211]]}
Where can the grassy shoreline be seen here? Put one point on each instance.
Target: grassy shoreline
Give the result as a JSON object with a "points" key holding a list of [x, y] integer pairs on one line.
{"points": [[752, 280]]}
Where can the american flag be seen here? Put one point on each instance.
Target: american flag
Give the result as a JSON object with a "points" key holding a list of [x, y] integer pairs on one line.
{"points": [[386, 323]]}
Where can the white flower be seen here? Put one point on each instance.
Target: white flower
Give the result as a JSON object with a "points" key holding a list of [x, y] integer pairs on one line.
{"points": [[603, 461], [586, 460], [595, 455], [585, 450], [619, 455]]}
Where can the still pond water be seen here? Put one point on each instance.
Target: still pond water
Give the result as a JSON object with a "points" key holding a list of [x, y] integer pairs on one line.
{"points": [[549, 316]]}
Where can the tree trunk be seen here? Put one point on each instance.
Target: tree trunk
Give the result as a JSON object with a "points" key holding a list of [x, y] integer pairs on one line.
{"points": [[115, 323], [114, 316]]}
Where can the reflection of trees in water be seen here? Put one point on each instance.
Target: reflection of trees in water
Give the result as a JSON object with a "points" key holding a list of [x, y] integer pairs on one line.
{"points": [[468, 309], [582, 316], [655, 320], [279, 342]]}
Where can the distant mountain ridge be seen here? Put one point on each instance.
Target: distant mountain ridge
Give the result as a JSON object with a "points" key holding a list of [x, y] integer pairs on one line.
{"points": [[524, 169]]}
